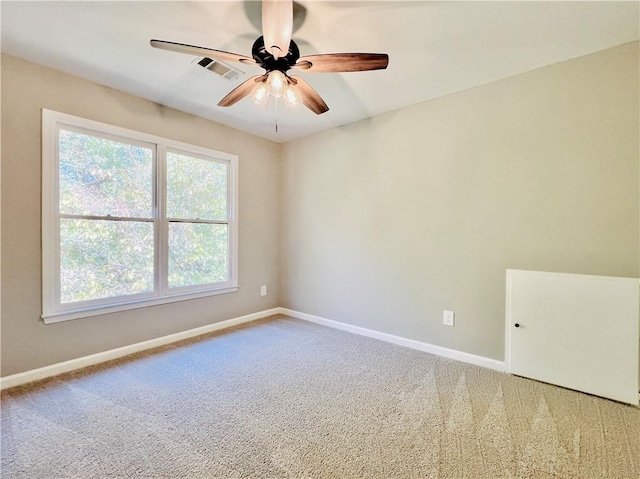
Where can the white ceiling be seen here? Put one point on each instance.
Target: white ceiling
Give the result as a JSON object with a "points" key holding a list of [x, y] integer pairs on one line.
{"points": [[435, 48]]}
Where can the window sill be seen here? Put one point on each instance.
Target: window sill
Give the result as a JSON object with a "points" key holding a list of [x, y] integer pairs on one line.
{"points": [[141, 303]]}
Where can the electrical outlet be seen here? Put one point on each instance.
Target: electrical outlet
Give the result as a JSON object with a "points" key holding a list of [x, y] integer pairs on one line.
{"points": [[448, 318], [263, 290]]}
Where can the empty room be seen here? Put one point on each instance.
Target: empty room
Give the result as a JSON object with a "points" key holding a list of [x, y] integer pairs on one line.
{"points": [[320, 239]]}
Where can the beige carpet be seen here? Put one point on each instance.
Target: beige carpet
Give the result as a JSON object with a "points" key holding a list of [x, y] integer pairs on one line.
{"points": [[282, 398]]}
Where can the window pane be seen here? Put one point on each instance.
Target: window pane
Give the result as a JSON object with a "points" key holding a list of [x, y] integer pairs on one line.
{"points": [[104, 177], [102, 259], [198, 254], [196, 188]]}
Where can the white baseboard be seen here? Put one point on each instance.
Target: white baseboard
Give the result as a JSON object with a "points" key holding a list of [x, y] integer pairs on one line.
{"points": [[83, 362], [409, 343], [79, 363]]}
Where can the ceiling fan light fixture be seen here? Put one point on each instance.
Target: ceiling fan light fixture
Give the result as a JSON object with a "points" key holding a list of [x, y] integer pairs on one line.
{"points": [[276, 83], [260, 94], [291, 97]]}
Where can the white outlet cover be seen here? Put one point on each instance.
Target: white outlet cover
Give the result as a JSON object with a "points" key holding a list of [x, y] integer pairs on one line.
{"points": [[448, 318], [263, 290]]}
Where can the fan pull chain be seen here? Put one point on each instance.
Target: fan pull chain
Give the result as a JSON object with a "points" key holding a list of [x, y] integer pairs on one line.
{"points": [[276, 119]]}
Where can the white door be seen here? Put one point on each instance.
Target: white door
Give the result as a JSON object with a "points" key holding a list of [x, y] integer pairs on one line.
{"points": [[577, 331]]}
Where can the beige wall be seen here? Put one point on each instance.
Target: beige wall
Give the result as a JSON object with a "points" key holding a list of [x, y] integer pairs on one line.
{"points": [[27, 343], [388, 221]]}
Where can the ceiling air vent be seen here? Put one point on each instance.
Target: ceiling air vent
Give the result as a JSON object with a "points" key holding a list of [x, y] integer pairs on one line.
{"points": [[220, 68]]}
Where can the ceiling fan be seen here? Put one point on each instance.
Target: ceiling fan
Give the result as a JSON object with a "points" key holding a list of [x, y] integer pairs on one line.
{"points": [[277, 53]]}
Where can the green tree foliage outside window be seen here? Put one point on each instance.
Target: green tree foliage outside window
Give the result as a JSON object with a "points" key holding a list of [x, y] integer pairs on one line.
{"points": [[107, 245], [197, 190]]}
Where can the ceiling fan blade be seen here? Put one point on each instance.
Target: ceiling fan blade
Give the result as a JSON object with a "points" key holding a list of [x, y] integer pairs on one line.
{"points": [[302, 65], [245, 88], [201, 51], [344, 62], [309, 96], [277, 26]]}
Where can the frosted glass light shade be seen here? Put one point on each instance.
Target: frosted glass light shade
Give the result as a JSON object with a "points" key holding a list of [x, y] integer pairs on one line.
{"points": [[260, 94], [276, 83], [291, 97]]}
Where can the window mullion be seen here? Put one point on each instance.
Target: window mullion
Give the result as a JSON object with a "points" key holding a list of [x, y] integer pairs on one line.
{"points": [[162, 225]]}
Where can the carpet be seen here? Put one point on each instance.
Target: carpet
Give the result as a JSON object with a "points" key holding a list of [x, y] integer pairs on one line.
{"points": [[283, 398]]}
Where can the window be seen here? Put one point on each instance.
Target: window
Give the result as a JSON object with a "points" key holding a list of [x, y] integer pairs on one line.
{"points": [[132, 220]]}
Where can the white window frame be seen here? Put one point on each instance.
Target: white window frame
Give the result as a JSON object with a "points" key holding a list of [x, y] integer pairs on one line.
{"points": [[52, 309]]}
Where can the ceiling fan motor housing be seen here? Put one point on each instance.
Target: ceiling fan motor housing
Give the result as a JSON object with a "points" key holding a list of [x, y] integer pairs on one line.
{"points": [[268, 62]]}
